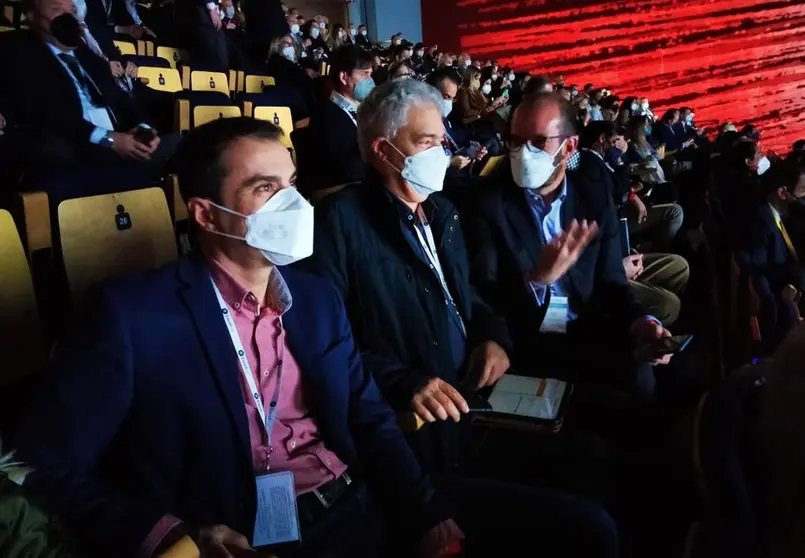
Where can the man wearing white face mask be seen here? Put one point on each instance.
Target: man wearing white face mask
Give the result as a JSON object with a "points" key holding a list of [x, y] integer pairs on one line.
{"points": [[549, 256], [394, 249], [236, 364]]}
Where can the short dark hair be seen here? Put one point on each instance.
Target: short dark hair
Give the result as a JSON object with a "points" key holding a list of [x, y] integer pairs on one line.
{"points": [[594, 130], [799, 145], [347, 59], [438, 76], [536, 84], [567, 111], [791, 170], [198, 159], [669, 115]]}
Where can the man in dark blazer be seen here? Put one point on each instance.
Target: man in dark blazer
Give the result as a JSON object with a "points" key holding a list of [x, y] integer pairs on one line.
{"points": [[178, 440], [333, 158], [542, 235], [69, 111], [202, 32], [769, 254], [394, 249]]}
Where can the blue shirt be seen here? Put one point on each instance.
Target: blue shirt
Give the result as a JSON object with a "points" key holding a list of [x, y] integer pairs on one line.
{"points": [[548, 219], [87, 107]]}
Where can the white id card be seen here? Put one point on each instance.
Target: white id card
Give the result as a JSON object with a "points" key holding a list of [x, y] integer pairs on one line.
{"points": [[277, 519], [556, 317]]}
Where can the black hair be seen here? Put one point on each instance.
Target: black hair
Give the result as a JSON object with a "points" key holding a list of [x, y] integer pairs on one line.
{"points": [[595, 130], [799, 145], [742, 150], [198, 159], [567, 111], [438, 76], [347, 59], [536, 85], [669, 115]]}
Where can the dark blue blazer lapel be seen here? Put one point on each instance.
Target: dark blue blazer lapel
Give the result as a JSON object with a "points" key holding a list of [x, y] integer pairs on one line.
{"points": [[198, 295], [568, 212], [528, 237]]}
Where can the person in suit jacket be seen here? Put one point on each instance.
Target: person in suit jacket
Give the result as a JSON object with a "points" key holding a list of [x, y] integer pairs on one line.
{"points": [[393, 248], [202, 33], [362, 38], [544, 235], [335, 155], [178, 370], [770, 256], [70, 112]]}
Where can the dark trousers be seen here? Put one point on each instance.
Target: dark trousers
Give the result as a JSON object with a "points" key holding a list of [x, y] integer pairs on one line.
{"points": [[208, 48]]}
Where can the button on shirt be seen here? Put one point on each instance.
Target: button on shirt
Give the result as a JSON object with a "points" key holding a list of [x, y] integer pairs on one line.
{"points": [[298, 446], [95, 115]]}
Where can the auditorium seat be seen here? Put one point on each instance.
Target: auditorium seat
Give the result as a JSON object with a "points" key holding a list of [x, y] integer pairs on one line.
{"points": [[280, 116], [126, 48], [161, 79], [183, 548], [256, 83], [172, 55], [204, 114], [491, 164], [33, 214], [21, 341], [114, 234], [3, 28], [209, 81], [145, 47]]}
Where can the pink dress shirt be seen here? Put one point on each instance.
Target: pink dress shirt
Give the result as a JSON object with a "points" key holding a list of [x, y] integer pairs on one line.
{"points": [[297, 445]]}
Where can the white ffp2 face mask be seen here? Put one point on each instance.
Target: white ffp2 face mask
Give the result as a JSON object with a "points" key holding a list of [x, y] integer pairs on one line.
{"points": [[486, 89], [282, 229], [763, 165], [532, 170], [446, 107], [424, 171], [314, 32], [289, 52]]}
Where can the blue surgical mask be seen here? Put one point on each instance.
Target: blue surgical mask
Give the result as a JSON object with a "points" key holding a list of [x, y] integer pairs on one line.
{"points": [[648, 130], [363, 88]]}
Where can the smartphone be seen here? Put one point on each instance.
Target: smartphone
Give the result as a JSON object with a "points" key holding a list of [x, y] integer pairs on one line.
{"points": [[671, 345], [474, 148], [144, 135]]}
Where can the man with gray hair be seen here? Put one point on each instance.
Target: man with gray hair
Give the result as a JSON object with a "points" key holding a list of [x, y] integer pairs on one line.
{"points": [[394, 249]]}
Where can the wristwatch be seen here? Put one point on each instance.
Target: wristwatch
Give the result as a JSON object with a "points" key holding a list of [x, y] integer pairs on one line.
{"points": [[108, 140]]}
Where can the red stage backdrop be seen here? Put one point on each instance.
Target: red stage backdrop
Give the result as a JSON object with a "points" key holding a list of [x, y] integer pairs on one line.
{"points": [[739, 60]]}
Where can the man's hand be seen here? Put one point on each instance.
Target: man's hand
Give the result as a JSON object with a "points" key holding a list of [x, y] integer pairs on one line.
{"points": [[489, 362], [642, 212], [439, 400], [136, 31], [131, 70], [215, 17], [127, 147], [633, 266], [621, 144], [116, 68], [240, 18], [482, 152], [219, 541], [558, 256], [459, 161], [646, 332], [147, 31], [439, 540], [231, 25]]}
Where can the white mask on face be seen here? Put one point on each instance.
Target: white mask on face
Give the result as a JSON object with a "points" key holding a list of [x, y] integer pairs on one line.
{"points": [[289, 52], [486, 89], [511, 77], [494, 77], [424, 171], [230, 12], [341, 34], [397, 42], [352, 31], [295, 29], [689, 118], [468, 63], [314, 32], [634, 107], [282, 229], [364, 32], [532, 170], [322, 25], [446, 107], [644, 105], [763, 165]]}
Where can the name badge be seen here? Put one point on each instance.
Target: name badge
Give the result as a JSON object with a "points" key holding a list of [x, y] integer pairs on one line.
{"points": [[277, 519], [556, 317]]}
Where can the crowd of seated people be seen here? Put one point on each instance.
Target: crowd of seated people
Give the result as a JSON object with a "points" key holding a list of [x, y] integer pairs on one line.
{"points": [[470, 222]]}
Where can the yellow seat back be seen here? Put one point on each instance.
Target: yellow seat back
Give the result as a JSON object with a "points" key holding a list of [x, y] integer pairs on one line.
{"points": [[21, 342], [491, 164], [126, 48], [3, 28], [204, 114], [256, 84], [114, 234], [172, 55], [161, 79], [281, 117], [183, 548], [209, 81]]}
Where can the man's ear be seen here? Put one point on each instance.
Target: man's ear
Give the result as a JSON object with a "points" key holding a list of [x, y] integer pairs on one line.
{"points": [[343, 77], [202, 213], [377, 145]]}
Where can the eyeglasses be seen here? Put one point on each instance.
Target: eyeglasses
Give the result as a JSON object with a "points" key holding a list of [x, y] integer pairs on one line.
{"points": [[534, 145]]}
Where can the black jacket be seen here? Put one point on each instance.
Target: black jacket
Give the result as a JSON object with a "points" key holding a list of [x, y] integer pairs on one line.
{"points": [[394, 301], [101, 20], [593, 170], [335, 158], [765, 253], [506, 244], [43, 98]]}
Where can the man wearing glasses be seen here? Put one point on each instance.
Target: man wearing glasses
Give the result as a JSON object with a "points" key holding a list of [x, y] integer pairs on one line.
{"points": [[548, 257]]}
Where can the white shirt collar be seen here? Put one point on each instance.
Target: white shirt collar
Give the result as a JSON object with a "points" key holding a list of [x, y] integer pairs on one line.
{"points": [[57, 51], [775, 213]]}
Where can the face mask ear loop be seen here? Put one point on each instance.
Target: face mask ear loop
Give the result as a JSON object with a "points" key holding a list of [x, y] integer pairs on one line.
{"points": [[388, 162], [232, 212]]}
